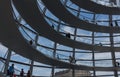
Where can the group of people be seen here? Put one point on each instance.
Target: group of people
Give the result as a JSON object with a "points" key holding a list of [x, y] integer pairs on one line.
{"points": [[10, 72]]}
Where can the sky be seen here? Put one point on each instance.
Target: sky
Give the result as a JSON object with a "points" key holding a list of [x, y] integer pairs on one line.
{"points": [[46, 42]]}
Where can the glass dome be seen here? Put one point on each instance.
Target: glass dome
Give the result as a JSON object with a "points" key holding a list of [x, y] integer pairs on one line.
{"points": [[69, 37]]}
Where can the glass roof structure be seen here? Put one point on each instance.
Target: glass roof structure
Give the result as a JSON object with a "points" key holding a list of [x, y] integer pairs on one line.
{"points": [[50, 36]]}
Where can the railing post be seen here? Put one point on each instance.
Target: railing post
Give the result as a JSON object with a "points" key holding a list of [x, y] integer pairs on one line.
{"points": [[7, 61]]}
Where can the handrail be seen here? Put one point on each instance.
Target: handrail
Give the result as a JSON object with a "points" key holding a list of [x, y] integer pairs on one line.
{"points": [[26, 63], [74, 21], [50, 19], [84, 18], [22, 26], [62, 54], [79, 35], [110, 8], [94, 37], [60, 49], [61, 32], [75, 66], [33, 39]]}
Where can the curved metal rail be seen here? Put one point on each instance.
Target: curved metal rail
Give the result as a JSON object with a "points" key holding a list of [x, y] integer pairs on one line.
{"points": [[57, 8], [30, 12], [97, 8], [11, 37]]}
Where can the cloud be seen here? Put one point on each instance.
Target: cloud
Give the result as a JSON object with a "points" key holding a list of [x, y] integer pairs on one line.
{"points": [[68, 29], [3, 50], [41, 71]]}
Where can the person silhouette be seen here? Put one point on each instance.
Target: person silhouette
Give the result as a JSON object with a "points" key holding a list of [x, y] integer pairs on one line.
{"points": [[11, 70], [117, 64], [68, 35], [28, 73], [22, 73], [31, 42]]}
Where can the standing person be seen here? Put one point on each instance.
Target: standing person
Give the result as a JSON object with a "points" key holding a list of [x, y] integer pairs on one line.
{"points": [[28, 73], [22, 73], [11, 70], [117, 64], [70, 59], [68, 35], [116, 24]]}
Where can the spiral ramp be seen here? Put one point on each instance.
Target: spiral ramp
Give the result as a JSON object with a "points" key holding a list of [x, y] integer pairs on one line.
{"points": [[28, 9], [101, 9], [62, 13]]}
